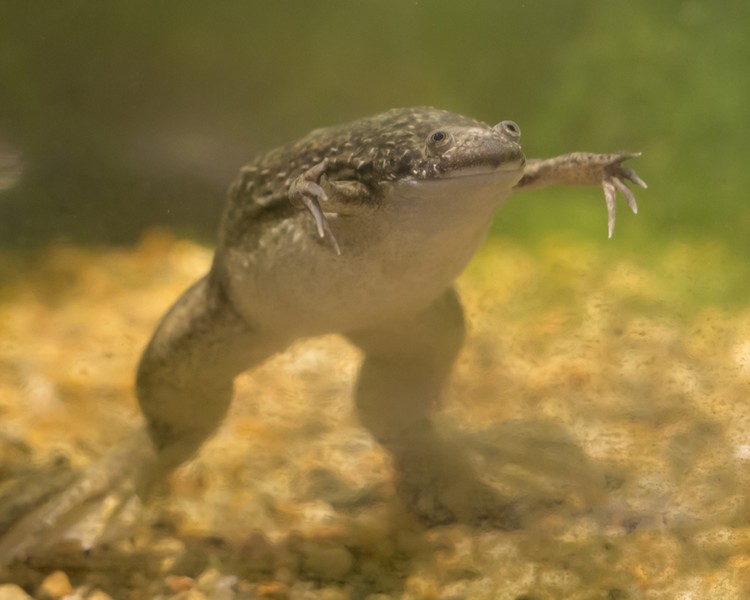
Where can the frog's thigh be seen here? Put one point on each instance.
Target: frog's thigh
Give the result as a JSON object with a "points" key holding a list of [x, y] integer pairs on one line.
{"points": [[185, 377], [405, 368]]}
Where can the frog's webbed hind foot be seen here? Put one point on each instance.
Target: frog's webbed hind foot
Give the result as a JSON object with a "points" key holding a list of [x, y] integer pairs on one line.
{"points": [[90, 505], [457, 497]]}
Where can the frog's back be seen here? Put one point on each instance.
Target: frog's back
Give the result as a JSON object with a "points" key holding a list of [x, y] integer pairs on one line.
{"points": [[378, 148]]}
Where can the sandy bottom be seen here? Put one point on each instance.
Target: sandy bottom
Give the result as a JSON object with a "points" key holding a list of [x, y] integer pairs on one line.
{"points": [[598, 388]]}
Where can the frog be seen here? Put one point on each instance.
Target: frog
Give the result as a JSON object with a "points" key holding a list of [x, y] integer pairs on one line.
{"points": [[359, 230]]}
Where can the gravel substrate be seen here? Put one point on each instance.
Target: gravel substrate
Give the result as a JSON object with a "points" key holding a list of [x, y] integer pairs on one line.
{"points": [[607, 397]]}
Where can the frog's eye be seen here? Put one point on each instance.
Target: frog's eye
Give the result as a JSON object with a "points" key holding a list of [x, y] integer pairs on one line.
{"points": [[439, 140], [510, 129]]}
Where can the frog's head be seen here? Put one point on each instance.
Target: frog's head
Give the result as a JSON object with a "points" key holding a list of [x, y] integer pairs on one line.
{"points": [[425, 144], [445, 170], [415, 145]]}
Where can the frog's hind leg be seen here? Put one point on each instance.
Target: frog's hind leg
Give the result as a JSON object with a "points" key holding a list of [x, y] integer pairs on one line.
{"points": [[405, 369], [185, 376], [184, 387]]}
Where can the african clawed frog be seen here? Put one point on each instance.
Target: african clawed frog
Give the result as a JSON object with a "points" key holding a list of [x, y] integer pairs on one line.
{"points": [[360, 230]]}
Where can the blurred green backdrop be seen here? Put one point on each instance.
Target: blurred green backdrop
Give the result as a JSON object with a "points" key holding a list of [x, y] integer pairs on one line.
{"points": [[135, 114]]}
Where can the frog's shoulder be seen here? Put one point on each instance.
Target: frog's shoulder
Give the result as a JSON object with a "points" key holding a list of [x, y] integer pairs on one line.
{"points": [[265, 179]]}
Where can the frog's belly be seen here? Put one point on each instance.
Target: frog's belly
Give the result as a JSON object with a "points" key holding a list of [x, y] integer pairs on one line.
{"points": [[394, 261]]}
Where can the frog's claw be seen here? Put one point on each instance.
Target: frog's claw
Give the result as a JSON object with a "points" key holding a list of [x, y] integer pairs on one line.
{"points": [[613, 181], [305, 192]]}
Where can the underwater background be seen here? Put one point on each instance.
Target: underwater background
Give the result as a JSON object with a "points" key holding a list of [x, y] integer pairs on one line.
{"points": [[608, 380]]}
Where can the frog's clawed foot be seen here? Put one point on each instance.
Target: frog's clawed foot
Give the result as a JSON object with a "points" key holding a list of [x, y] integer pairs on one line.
{"points": [[613, 180], [474, 503], [306, 192]]}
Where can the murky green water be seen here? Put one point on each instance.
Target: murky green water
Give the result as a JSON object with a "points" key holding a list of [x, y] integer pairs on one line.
{"points": [[604, 384]]}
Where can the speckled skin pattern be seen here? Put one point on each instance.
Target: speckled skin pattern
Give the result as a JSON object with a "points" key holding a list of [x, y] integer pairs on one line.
{"points": [[383, 148]]}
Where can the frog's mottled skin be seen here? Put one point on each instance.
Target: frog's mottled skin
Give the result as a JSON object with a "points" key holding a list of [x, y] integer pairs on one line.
{"points": [[361, 230]]}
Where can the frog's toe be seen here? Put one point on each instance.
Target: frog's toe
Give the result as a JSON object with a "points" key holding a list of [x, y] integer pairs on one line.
{"points": [[477, 505], [305, 192], [614, 181], [98, 501], [78, 515], [631, 175]]}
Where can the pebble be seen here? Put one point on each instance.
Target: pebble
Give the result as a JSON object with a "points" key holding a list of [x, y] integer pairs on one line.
{"points": [[273, 590], [284, 575], [217, 585], [10, 591], [189, 595], [179, 583], [424, 588], [327, 562], [723, 541], [333, 593], [258, 553], [55, 585]]}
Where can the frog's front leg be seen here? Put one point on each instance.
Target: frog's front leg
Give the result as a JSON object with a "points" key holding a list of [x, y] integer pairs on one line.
{"points": [[406, 366], [305, 192], [586, 168], [312, 187]]}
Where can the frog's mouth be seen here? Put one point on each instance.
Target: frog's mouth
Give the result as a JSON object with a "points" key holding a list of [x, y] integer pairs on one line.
{"points": [[505, 167], [501, 158], [466, 181]]}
